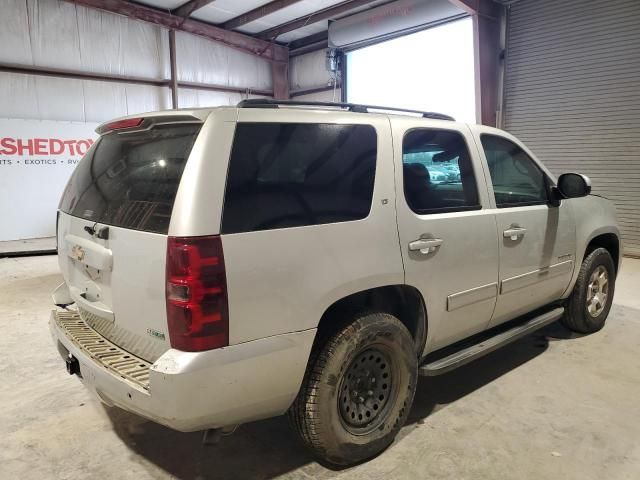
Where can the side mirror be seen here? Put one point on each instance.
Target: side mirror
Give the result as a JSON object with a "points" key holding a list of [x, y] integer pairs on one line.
{"points": [[574, 185]]}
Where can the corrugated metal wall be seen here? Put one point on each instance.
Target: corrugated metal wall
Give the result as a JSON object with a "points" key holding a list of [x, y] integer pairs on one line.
{"points": [[60, 35], [57, 34], [572, 94]]}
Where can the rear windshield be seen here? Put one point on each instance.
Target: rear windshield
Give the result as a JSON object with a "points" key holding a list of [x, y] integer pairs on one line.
{"points": [[130, 179]]}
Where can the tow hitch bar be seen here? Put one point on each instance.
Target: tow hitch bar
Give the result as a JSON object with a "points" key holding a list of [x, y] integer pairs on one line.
{"points": [[73, 366]]}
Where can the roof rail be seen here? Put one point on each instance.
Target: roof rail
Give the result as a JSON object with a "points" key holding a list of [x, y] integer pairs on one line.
{"points": [[352, 107]]}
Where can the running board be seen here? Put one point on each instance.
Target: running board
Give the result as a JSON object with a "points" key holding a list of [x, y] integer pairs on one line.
{"points": [[468, 354]]}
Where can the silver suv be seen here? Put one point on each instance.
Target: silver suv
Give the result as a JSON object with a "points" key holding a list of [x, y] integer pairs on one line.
{"points": [[230, 264]]}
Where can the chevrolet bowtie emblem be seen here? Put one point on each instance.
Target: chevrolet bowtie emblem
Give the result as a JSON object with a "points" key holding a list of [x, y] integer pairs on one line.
{"points": [[77, 252]]}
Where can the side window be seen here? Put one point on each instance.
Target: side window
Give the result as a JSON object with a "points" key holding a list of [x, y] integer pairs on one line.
{"points": [[437, 171], [292, 174], [516, 179]]}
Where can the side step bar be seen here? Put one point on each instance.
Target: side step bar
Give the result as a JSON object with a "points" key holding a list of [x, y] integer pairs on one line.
{"points": [[468, 354]]}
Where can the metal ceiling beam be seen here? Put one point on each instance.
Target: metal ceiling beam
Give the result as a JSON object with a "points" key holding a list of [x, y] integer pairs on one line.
{"points": [[257, 13], [239, 41], [317, 41], [470, 6], [486, 8], [324, 14], [309, 40], [186, 9]]}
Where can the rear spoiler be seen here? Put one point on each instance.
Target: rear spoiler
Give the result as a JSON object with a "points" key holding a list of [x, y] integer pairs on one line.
{"points": [[145, 122]]}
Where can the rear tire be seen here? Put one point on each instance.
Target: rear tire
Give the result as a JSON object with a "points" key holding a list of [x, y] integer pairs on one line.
{"points": [[357, 391], [589, 304]]}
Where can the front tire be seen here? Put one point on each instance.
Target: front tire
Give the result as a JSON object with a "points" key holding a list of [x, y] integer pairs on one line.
{"points": [[357, 391], [589, 304]]}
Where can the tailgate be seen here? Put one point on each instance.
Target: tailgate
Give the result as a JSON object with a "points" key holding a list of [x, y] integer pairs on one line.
{"points": [[112, 231]]}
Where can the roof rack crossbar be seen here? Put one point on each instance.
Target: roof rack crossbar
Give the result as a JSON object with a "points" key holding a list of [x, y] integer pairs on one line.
{"points": [[352, 107]]}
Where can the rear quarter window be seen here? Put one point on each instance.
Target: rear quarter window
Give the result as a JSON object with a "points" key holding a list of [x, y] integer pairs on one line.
{"points": [[130, 179], [293, 174]]}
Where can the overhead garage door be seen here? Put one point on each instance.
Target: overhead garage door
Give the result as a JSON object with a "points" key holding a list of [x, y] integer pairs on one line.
{"points": [[572, 94]]}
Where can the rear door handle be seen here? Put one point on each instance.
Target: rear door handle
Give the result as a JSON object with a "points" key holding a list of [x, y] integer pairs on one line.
{"points": [[425, 245], [514, 233]]}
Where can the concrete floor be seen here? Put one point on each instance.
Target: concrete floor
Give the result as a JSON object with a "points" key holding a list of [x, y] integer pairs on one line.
{"points": [[31, 245], [549, 406]]}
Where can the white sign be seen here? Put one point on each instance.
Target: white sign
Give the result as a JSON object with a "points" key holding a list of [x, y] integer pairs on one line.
{"points": [[36, 160]]}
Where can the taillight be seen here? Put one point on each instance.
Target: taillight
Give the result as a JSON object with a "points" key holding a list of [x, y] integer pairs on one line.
{"points": [[197, 306]]}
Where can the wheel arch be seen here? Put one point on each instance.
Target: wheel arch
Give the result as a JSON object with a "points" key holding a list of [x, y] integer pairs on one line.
{"points": [[605, 237], [403, 301], [610, 241]]}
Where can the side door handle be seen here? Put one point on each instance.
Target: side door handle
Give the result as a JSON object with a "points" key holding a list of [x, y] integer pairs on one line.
{"points": [[514, 233], [425, 245]]}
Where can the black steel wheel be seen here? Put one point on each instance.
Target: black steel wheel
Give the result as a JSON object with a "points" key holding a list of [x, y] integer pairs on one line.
{"points": [[357, 391], [367, 391]]}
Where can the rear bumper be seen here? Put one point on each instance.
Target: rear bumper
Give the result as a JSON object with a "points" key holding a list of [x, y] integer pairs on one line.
{"points": [[190, 391]]}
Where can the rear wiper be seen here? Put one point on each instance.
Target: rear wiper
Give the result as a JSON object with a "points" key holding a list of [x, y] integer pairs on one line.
{"points": [[102, 233]]}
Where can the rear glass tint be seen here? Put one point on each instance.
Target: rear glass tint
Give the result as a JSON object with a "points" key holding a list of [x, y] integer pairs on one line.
{"points": [[293, 174], [130, 179]]}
